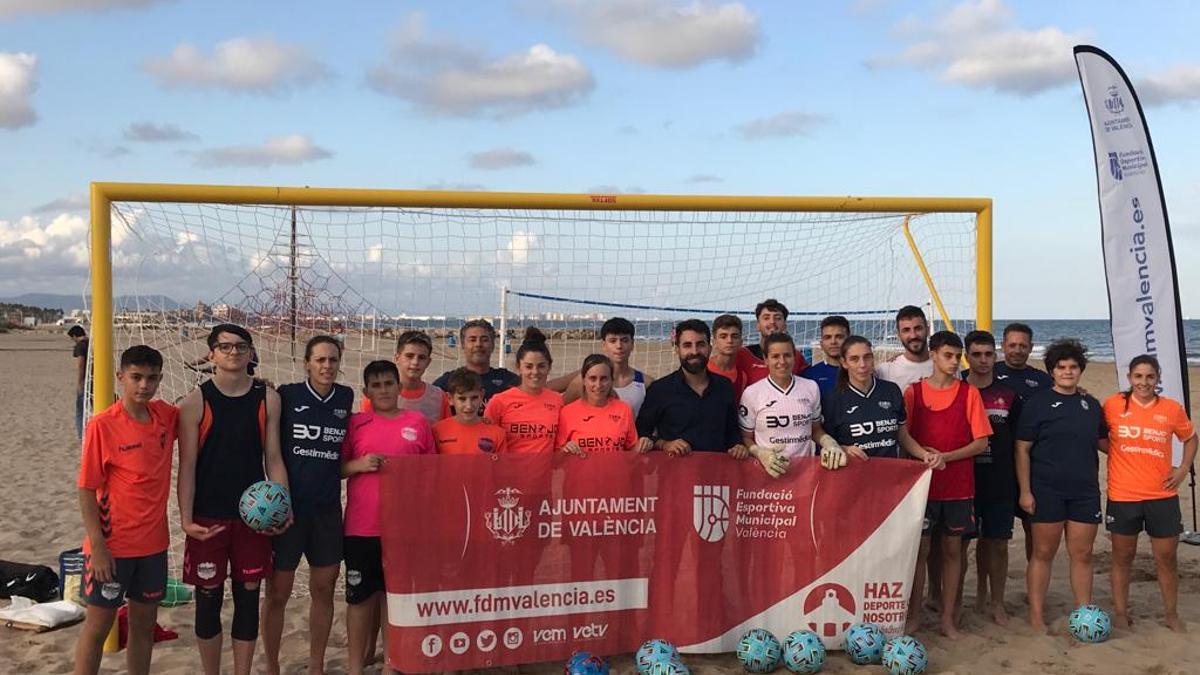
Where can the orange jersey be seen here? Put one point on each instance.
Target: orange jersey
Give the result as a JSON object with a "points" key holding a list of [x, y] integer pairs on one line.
{"points": [[423, 400], [128, 464], [455, 438], [1139, 450], [608, 428], [737, 377], [529, 422]]}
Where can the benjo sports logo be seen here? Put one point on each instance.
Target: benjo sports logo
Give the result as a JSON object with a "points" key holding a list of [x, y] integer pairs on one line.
{"points": [[1113, 104], [509, 520], [829, 610], [710, 511]]}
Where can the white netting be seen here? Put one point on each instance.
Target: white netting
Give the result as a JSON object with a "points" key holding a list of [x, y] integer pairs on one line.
{"points": [[368, 273]]}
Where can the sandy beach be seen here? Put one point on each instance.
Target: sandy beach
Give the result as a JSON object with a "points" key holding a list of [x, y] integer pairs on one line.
{"points": [[39, 459]]}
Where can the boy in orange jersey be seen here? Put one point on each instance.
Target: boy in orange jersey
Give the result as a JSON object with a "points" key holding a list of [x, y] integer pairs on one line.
{"points": [[466, 433], [414, 353], [124, 484]]}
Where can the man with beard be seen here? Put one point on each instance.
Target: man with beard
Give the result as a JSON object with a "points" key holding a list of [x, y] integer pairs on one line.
{"points": [[691, 409], [477, 340], [913, 364], [1014, 371], [771, 316]]}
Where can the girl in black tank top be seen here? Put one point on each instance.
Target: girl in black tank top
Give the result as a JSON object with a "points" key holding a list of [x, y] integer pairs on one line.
{"points": [[230, 458]]}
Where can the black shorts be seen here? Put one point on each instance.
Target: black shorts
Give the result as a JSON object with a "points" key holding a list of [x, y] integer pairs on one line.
{"points": [[317, 536], [1051, 507], [1160, 518], [995, 519], [952, 517], [142, 579], [364, 568]]}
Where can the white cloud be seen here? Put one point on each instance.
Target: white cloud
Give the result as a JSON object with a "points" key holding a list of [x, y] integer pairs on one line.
{"points": [[663, 33], [519, 245], [149, 132], [73, 202], [375, 253], [500, 158], [293, 149], [780, 125], [11, 7], [18, 80], [446, 78], [978, 44], [245, 64], [36, 250], [1180, 84]]}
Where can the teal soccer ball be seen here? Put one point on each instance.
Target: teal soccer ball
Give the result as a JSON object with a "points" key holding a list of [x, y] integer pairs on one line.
{"points": [[905, 655], [265, 505], [759, 651], [1089, 623], [803, 652], [864, 643], [654, 651]]}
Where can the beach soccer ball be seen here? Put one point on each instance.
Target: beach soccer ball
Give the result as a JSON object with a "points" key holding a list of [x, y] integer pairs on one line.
{"points": [[1089, 623], [803, 652], [583, 663], [265, 505], [905, 655], [864, 643], [759, 651], [671, 667], [653, 651]]}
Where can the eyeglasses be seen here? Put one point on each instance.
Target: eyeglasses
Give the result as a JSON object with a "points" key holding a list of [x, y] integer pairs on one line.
{"points": [[231, 347]]}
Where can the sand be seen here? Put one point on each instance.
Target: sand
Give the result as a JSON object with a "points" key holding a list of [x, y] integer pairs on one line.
{"points": [[39, 459]]}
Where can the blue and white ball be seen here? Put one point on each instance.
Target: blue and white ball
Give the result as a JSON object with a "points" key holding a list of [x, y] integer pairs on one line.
{"points": [[654, 651], [905, 655], [803, 652], [1089, 623], [672, 667], [864, 643], [265, 505], [583, 663], [759, 651]]}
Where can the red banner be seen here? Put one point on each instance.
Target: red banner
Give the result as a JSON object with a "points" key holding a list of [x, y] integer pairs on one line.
{"points": [[500, 560]]}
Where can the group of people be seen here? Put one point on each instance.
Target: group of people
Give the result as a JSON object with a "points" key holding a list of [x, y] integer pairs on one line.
{"points": [[1004, 440]]}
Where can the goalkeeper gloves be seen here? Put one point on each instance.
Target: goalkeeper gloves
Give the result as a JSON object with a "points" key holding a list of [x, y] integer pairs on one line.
{"points": [[771, 458], [833, 457]]}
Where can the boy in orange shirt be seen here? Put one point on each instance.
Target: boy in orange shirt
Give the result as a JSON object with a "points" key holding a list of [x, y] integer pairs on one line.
{"points": [[466, 433], [124, 484]]}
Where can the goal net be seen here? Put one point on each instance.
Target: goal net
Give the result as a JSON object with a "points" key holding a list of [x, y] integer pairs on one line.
{"points": [[302, 264]]}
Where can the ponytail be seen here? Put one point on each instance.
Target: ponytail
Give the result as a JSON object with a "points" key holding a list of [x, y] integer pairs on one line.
{"points": [[534, 340]]}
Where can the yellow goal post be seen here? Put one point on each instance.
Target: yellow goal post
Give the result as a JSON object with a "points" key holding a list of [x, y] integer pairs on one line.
{"points": [[105, 195]]}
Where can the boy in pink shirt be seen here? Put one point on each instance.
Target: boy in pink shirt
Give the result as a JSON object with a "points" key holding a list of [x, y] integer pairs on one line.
{"points": [[374, 436]]}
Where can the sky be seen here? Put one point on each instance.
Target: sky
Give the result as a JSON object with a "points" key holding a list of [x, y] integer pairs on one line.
{"points": [[874, 97]]}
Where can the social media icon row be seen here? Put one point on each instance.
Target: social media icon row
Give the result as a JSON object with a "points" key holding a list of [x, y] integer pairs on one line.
{"points": [[460, 642]]}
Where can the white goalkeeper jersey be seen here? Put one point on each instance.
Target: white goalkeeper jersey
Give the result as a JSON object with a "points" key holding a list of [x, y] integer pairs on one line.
{"points": [[782, 416]]}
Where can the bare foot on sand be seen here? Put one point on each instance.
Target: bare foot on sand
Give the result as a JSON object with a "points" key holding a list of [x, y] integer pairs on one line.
{"points": [[912, 625], [999, 615], [1176, 624], [1122, 620], [949, 630], [1037, 624]]}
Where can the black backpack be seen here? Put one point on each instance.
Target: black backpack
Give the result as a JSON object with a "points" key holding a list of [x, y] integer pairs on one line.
{"points": [[37, 582]]}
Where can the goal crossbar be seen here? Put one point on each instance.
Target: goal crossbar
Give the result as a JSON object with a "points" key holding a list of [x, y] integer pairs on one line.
{"points": [[104, 194]]}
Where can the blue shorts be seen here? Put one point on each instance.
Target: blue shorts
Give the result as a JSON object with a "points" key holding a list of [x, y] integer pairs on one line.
{"points": [[1052, 507], [995, 519]]}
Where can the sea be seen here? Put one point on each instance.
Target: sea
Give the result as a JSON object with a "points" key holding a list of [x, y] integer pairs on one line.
{"points": [[1093, 333]]}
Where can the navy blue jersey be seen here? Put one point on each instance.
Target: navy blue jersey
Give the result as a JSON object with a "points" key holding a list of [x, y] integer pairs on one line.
{"points": [[494, 381], [823, 374], [871, 419], [995, 467], [1025, 382], [311, 431], [1065, 430]]}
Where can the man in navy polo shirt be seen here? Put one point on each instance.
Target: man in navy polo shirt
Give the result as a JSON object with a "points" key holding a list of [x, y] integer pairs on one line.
{"points": [[1014, 371], [691, 409]]}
